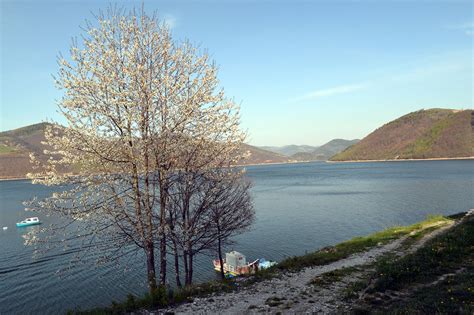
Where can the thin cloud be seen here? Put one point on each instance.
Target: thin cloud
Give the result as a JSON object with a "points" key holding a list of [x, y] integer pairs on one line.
{"points": [[170, 21], [435, 70], [467, 28], [341, 89]]}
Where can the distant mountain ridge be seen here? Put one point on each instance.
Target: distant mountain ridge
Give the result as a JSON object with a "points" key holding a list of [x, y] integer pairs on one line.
{"points": [[15, 146], [424, 134], [301, 153], [289, 150], [326, 151]]}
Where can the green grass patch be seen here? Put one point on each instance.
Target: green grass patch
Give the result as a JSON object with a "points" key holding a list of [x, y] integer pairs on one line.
{"points": [[161, 298], [453, 295], [436, 279], [259, 276], [441, 255], [6, 149], [357, 245], [330, 277], [352, 291]]}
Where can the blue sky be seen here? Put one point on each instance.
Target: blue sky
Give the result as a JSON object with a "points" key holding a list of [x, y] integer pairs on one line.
{"points": [[304, 72]]}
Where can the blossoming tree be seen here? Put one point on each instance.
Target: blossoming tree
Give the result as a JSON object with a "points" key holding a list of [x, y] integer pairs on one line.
{"points": [[139, 106]]}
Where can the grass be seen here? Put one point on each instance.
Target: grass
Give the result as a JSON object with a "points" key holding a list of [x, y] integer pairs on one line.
{"points": [[161, 298], [437, 278], [352, 291], [440, 255], [357, 245], [6, 149], [453, 295], [330, 277]]}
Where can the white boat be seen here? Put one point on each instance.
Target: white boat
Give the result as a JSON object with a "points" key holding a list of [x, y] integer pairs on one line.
{"points": [[235, 264], [28, 222]]}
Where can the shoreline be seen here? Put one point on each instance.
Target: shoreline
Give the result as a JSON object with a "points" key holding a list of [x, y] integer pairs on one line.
{"points": [[12, 178], [404, 160], [301, 162]]}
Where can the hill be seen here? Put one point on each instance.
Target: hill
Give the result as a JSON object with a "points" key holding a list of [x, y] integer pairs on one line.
{"points": [[432, 133], [324, 152], [16, 145], [289, 150], [261, 156]]}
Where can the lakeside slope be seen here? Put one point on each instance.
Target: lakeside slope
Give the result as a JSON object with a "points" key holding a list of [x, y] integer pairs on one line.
{"points": [[424, 268], [424, 134]]}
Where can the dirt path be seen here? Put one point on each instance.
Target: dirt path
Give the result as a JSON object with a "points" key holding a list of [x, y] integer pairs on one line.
{"points": [[291, 293]]}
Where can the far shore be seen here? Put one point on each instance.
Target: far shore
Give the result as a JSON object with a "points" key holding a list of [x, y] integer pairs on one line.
{"points": [[300, 162], [404, 160], [12, 178]]}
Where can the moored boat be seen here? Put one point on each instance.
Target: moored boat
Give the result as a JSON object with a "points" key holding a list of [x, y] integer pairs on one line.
{"points": [[235, 264], [28, 222]]}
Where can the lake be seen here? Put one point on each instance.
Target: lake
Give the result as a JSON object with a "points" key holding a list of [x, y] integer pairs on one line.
{"points": [[299, 208]]}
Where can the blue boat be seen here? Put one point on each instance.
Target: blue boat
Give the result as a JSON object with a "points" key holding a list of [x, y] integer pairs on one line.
{"points": [[28, 222]]}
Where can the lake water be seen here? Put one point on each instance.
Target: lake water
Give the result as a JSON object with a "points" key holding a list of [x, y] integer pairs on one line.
{"points": [[299, 207]]}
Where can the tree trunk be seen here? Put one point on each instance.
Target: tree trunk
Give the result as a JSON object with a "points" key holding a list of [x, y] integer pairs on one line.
{"points": [[163, 196], [219, 251], [186, 269], [163, 260], [190, 271], [176, 264], [150, 265]]}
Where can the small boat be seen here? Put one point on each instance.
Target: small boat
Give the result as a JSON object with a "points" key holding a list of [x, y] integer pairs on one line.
{"points": [[28, 222], [5, 228], [235, 264]]}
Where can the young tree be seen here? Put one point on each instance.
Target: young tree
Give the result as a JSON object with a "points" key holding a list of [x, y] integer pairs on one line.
{"points": [[139, 106], [232, 214], [207, 209]]}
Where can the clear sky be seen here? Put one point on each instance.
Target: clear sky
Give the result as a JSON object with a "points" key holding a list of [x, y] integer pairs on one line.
{"points": [[304, 72]]}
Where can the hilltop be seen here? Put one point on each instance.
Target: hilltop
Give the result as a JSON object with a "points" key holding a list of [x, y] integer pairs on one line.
{"points": [[424, 134], [17, 144]]}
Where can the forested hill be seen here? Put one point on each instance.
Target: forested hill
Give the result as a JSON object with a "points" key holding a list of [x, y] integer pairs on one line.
{"points": [[15, 146], [432, 133]]}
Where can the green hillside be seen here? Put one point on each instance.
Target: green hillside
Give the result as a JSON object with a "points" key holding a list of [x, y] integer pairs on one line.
{"points": [[432, 133]]}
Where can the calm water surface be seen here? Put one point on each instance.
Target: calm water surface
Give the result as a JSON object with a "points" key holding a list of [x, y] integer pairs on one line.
{"points": [[300, 208]]}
